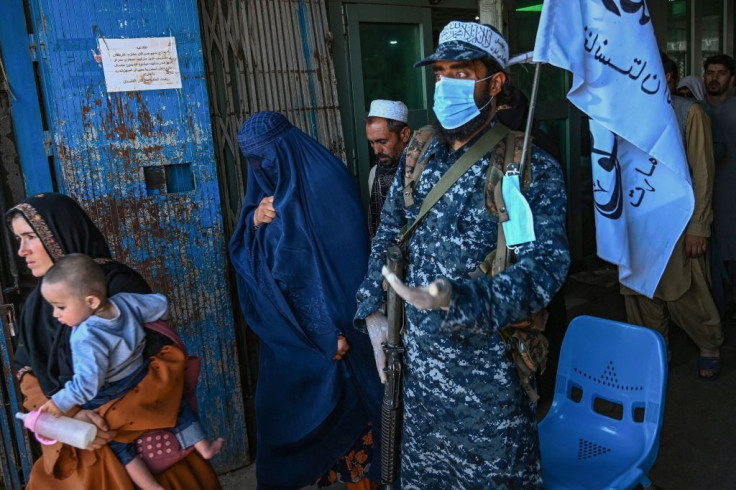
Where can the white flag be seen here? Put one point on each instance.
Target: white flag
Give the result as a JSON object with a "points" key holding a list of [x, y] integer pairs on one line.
{"points": [[641, 182]]}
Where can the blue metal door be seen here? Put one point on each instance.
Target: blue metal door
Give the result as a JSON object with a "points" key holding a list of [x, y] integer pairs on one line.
{"points": [[142, 164]]}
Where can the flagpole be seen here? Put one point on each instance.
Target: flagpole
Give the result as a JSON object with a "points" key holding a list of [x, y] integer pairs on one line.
{"points": [[530, 118]]}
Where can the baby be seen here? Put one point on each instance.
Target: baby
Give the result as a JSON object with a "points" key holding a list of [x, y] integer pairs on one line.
{"points": [[107, 343]]}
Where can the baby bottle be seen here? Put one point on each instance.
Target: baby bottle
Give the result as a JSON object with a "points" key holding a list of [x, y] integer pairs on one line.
{"points": [[50, 429]]}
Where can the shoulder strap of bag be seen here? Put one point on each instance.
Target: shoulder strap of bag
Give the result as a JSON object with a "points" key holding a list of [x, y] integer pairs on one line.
{"points": [[413, 161], [163, 327], [502, 256], [510, 156], [480, 148]]}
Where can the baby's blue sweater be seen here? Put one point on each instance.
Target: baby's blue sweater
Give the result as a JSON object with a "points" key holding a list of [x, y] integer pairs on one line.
{"points": [[104, 351]]}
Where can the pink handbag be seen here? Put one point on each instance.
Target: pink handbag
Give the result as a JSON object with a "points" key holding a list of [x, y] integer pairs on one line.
{"points": [[159, 448]]}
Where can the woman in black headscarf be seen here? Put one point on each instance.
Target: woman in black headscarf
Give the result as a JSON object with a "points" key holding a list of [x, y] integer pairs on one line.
{"points": [[49, 226]]}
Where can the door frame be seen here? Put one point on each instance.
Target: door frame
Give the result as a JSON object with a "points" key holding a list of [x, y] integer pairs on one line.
{"points": [[344, 50], [19, 52], [355, 14]]}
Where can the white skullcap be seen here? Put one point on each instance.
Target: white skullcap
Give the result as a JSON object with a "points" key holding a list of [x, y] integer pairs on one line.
{"points": [[389, 109]]}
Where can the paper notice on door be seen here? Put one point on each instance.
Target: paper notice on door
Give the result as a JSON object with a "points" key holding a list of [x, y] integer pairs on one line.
{"points": [[144, 63]]}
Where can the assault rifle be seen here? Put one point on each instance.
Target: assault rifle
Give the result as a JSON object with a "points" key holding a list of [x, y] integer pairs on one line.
{"points": [[393, 405]]}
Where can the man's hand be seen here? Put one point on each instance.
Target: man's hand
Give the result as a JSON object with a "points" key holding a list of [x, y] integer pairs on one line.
{"points": [[51, 407], [695, 246], [342, 348], [104, 435], [435, 296], [377, 325], [265, 212]]}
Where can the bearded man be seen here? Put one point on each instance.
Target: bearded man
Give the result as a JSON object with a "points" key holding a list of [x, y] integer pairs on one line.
{"points": [[388, 133], [719, 76], [468, 422]]}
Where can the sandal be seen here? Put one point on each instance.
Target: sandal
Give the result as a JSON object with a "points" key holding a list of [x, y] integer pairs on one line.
{"points": [[709, 363]]}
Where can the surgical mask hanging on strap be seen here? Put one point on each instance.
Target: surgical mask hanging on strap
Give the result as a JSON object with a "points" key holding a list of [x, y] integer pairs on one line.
{"points": [[454, 101], [520, 226]]}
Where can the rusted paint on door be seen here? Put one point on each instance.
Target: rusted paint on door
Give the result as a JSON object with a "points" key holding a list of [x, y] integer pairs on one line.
{"points": [[142, 164]]}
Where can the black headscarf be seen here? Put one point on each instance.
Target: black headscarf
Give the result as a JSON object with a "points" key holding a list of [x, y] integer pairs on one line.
{"points": [[64, 228]]}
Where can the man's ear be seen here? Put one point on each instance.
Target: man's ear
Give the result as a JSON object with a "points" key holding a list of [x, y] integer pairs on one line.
{"points": [[93, 301], [405, 134], [496, 85]]}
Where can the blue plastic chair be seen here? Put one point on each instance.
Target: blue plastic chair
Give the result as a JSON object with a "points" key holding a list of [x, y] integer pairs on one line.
{"points": [[602, 430]]}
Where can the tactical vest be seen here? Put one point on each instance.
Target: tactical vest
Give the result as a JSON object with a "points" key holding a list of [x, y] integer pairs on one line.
{"points": [[508, 150], [526, 344]]}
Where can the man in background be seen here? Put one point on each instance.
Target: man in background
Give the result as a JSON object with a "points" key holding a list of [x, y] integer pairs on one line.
{"points": [[718, 75], [683, 293], [388, 133]]}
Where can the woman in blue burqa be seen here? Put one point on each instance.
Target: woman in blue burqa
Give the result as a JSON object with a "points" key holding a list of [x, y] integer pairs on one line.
{"points": [[300, 250]]}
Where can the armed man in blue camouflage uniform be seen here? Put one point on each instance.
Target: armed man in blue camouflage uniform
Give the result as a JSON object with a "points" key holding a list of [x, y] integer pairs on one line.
{"points": [[468, 423]]}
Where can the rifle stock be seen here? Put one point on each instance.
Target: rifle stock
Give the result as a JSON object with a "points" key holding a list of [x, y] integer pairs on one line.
{"points": [[392, 406]]}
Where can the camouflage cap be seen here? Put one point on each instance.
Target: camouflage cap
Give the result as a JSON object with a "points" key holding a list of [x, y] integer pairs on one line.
{"points": [[464, 41]]}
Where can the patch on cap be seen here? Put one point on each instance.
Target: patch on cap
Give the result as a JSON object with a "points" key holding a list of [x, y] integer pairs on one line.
{"points": [[464, 41]]}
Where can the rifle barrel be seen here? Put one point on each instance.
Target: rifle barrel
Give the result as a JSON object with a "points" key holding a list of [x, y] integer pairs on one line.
{"points": [[392, 406], [394, 303]]}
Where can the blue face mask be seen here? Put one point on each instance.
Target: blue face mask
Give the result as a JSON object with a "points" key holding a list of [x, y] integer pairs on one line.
{"points": [[454, 101], [520, 226]]}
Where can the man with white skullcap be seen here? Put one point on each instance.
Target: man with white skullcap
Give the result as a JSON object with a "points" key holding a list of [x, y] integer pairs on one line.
{"points": [[468, 421], [388, 133]]}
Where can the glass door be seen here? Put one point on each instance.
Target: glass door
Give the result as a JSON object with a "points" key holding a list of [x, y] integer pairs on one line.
{"points": [[383, 43]]}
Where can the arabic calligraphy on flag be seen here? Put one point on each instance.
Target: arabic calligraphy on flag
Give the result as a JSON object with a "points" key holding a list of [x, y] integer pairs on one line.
{"points": [[642, 189]]}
